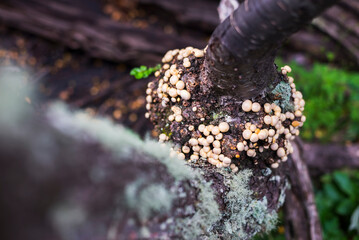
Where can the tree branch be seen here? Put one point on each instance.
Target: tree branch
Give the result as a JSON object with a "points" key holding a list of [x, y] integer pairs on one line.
{"points": [[326, 158], [240, 55], [302, 221]]}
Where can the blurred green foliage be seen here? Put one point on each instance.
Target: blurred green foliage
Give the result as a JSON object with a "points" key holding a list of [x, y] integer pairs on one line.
{"points": [[337, 202], [332, 101], [143, 71], [337, 199]]}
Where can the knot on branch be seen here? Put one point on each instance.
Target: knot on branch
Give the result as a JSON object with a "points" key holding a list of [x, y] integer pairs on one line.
{"points": [[221, 130]]}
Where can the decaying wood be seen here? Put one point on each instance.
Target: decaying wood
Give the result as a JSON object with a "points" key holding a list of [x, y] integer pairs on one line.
{"points": [[325, 158], [191, 13], [99, 36], [341, 24]]}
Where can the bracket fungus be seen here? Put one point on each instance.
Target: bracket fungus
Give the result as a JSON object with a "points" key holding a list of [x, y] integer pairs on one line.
{"points": [[222, 130]]}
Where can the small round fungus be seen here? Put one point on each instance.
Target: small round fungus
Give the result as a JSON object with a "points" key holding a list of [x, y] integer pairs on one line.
{"points": [[263, 134], [254, 137], [173, 80], [216, 144], [185, 95], [215, 130], [193, 142], [178, 118], [240, 146], [275, 165], [274, 146], [162, 137], [216, 151], [281, 152], [223, 127], [201, 127], [247, 134], [227, 160], [247, 105], [256, 107], [251, 153], [185, 149], [210, 139], [180, 85], [267, 108], [267, 120]]}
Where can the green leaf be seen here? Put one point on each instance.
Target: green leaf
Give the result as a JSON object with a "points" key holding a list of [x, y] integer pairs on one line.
{"points": [[143, 71], [354, 220], [332, 193], [345, 207], [344, 183]]}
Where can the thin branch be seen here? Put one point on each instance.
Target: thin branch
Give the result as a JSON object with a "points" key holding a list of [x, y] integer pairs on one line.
{"points": [[302, 194]]}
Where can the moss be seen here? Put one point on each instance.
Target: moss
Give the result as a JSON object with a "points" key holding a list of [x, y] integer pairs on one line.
{"points": [[283, 91], [150, 200]]}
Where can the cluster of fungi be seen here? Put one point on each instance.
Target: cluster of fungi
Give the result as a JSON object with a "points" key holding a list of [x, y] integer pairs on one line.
{"points": [[221, 130]]}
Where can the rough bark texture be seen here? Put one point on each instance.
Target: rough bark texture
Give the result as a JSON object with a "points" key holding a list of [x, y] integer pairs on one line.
{"points": [[241, 51], [325, 158], [302, 221]]}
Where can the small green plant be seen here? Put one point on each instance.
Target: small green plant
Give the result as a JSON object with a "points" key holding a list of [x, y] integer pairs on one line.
{"points": [[143, 71], [337, 201], [332, 102]]}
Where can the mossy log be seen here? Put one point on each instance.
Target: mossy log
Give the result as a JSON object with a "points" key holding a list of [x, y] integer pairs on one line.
{"points": [[66, 175]]}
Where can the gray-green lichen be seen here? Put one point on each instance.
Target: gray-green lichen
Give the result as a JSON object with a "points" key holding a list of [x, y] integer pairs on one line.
{"points": [[12, 91], [152, 199], [247, 215], [266, 172], [282, 195], [206, 214], [116, 138], [284, 92]]}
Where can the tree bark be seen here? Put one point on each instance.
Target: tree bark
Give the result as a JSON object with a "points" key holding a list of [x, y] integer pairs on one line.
{"points": [[240, 55], [325, 158], [301, 216]]}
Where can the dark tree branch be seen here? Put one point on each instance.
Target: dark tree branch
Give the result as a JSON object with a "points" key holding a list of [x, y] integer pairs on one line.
{"points": [[241, 51], [329, 157]]}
